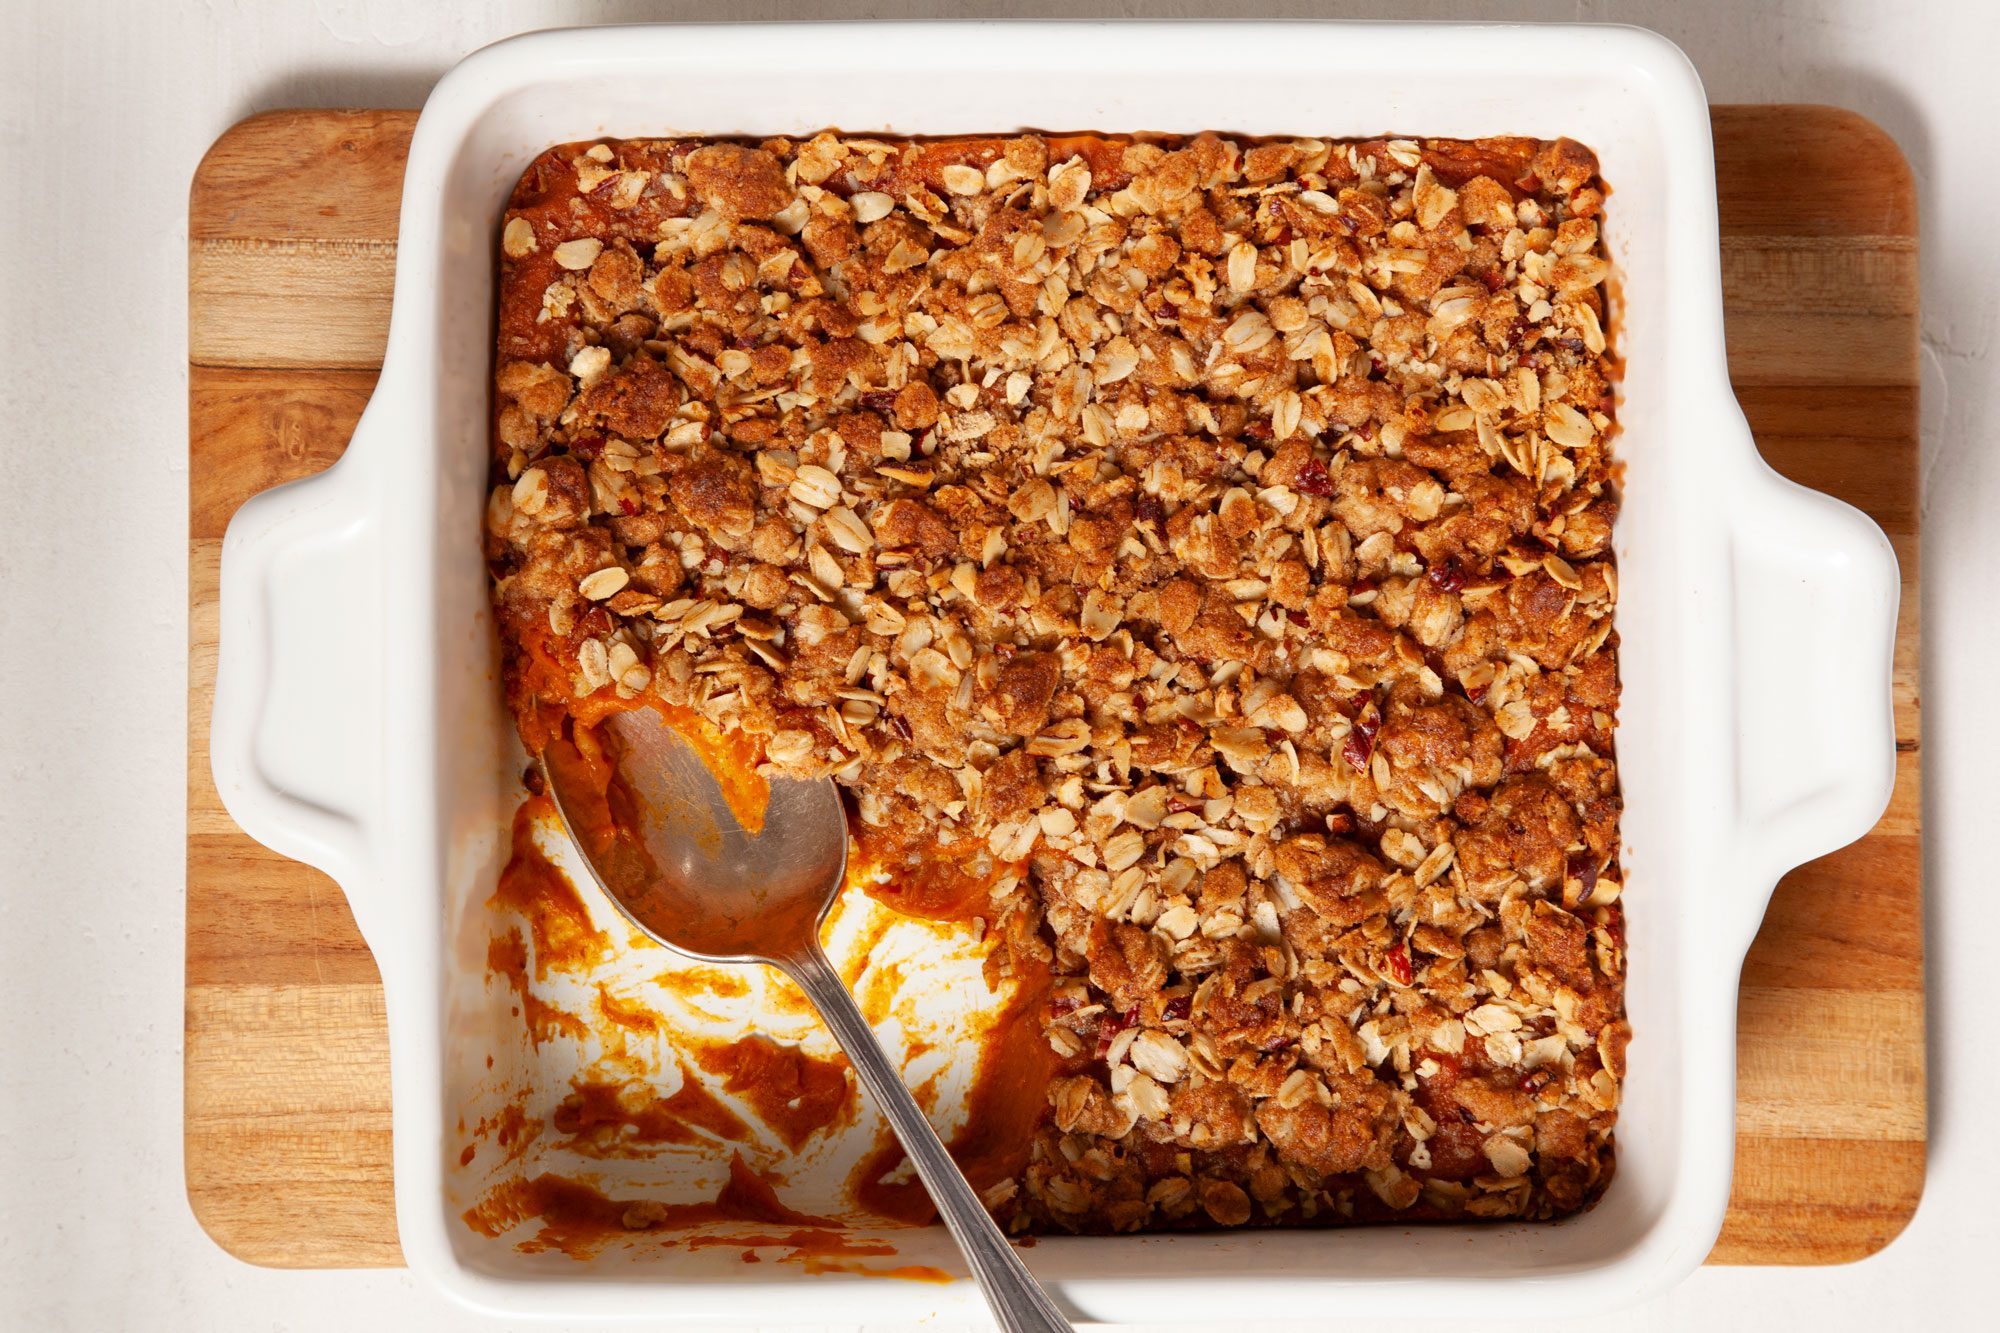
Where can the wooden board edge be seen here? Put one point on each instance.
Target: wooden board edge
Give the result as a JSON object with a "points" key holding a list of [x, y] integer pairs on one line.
{"points": [[261, 126], [320, 1152], [260, 1247], [1831, 1234], [1887, 153], [233, 140], [1868, 151]]}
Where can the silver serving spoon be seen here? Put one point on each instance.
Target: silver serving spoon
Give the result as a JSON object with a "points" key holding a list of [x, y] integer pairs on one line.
{"points": [[665, 847]]}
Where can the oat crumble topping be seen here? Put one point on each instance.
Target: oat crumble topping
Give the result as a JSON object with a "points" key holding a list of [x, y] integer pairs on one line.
{"points": [[1202, 544]]}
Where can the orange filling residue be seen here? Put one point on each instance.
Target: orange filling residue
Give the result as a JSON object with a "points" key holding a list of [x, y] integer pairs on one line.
{"points": [[884, 987], [698, 981], [544, 676], [511, 1127], [578, 1219], [603, 1118], [628, 1014], [532, 885], [874, 929], [1005, 1106], [913, 875], [794, 1093], [820, 1251], [749, 1197], [816, 1243], [507, 956], [816, 1265], [598, 809]]}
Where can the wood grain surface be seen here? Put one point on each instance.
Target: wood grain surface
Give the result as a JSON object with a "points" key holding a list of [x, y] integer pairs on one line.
{"points": [[291, 247]]}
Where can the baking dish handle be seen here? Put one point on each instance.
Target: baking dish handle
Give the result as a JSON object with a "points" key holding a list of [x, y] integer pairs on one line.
{"points": [[295, 743], [1816, 588]]}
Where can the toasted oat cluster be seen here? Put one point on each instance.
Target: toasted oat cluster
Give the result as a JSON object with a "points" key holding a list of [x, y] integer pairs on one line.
{"points": [[1200, 546]]}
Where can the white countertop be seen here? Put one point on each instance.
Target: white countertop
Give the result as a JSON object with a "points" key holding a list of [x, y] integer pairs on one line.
{"points": [[105, 109]]}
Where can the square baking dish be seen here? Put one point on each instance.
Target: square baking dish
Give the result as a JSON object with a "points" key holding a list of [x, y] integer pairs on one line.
{"points": [[358, 723]]}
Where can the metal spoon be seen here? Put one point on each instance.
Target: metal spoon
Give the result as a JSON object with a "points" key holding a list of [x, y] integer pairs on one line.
{"points": [[665, 847]]}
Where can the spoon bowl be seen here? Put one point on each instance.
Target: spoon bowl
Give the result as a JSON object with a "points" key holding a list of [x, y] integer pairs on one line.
{"points": [[657, 830]]}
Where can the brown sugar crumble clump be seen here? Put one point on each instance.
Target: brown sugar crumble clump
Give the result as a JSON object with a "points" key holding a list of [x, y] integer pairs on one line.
{"points": [[1202, 546]]}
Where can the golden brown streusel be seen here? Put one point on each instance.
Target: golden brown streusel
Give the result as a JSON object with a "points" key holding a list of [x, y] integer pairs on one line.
{"points": [[1204, 543]]}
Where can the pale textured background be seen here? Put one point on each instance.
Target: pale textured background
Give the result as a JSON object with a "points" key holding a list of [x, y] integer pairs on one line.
{"points": [[104, 111]]}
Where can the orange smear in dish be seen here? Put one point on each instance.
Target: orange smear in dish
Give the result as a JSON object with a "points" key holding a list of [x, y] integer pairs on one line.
{"points": [[814, 1264], [819, 1251], [532, 885], [697, 981], [511, 1127], [578, 1219], [599, 811], [817, 1243], [1006, 1104], [749, 1197], [628, 1014], [507, 956], [794, 1093], [603, 1118]]}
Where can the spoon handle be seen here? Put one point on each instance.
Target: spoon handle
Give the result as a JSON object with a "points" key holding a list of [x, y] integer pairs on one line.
{"points": [[1018, 1301]]}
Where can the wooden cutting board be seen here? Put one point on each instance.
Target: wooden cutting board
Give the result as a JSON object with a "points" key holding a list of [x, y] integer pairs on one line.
{"points": [[291, 247]]}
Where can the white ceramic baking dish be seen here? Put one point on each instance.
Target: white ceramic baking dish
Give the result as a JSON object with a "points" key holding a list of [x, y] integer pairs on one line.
{"points": [[357, 724]]}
